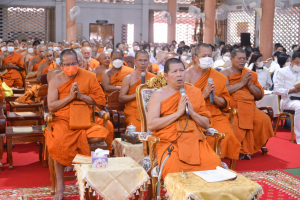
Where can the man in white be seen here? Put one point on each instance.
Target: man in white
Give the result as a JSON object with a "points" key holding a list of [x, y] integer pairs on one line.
{"points": [[284, 80], [225, 61]]}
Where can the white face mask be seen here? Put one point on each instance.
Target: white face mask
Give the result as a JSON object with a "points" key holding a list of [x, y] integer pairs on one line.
{"points": [[109, 50], [10, 49], [3, 49], [206, 62], [295, 49], [88, 60], [287, 64], [226, 58], [147, 50], [296, 68], [55, 48], [260, 64], [136, 48], [30, 50], [125, 51], [183, 57], [50, 48], [152, 48], [117, 63], [57, 60], [275, 60], [21, 48]]}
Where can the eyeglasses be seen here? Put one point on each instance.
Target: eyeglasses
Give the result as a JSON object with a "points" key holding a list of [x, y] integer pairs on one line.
{"points": [[68, 64], [242, 59], [141, 61]]}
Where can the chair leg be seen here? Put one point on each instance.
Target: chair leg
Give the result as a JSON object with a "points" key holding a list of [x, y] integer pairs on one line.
{"points": [[232, 164], [1, 152], [292, 129], [276, 127], [41, 152], [52, 175], [9, 152]]}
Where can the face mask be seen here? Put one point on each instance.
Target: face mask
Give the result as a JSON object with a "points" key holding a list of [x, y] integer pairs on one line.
{"points": [[3, 49], [77, 49], [10, 49], [71, 70], [125, 52], [136, 48], [21, 48], [16, 47], [295, 49], [50, 48], [260, 64], [30, 50], [183, 57], [152, 48], [147, 50], [109, 50], [117, 63], [287, 64], [206, 62], [296, 68], [57, 60], [55, 48], [226, 58], [87, 60]]}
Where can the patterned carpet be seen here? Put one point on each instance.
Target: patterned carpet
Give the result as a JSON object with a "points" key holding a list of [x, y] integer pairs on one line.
{"points": [[276, 185]]}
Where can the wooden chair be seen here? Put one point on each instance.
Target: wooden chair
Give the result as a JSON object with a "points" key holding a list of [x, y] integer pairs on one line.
{"points": [[144, 92], [285, 115], [44, 80], [130, 61]]}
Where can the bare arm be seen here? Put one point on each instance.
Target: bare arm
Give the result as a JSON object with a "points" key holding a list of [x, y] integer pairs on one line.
{"points": [[105, 82], [220, 101], [31, 63], [42, 66], [255, 91], [123, 97]]}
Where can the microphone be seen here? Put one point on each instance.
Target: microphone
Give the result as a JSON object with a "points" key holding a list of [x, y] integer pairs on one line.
{"points": [[211, 100], [143, 77], [182, 92]]}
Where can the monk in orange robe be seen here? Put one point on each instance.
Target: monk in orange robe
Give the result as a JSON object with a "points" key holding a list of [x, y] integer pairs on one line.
{"points": [[12, 68], [32, 51], [128, 88], [199, 75], [22, 48], [37, 60], [167, 119], [2, 95], [89, 62], [44, 67], [112, 78], [253, 127], [72, 130], [105, 60]]}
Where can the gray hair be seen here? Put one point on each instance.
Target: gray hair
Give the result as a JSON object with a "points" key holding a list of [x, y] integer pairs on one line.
{"points": [[197, 48], [48, 50], [234, 52]]}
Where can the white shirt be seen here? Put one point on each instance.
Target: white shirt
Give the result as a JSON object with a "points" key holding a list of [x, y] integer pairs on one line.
{"points": [[161, 67], [264, 77], [131, 53], [284, 80], [219, 63], [274, 66], [152, 59]]}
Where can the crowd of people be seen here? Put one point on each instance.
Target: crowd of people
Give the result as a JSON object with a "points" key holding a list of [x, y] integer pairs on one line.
{"points": [[90, 71]]}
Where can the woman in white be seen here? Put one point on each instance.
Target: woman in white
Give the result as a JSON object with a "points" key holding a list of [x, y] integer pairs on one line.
{"points": [[274, 65], [155, 51], [225, 61], [284, 60]]}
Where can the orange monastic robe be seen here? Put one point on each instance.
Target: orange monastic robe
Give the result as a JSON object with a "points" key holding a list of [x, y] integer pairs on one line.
{"points": [[12, 77], [99, 76], [155, 67], [36, 65], [230, 145], [2, 95], [32, 57], [191, 151], [131, 110], [64, 143], [50, 67], [252, 127], [94, 63]]}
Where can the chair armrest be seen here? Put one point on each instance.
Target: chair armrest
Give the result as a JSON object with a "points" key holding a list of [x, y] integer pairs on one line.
{"points": [[149, 147], [49, 118], [2, 122], [3, 106], [218, 139], [114, 118], [122, 125], [269, 111]]}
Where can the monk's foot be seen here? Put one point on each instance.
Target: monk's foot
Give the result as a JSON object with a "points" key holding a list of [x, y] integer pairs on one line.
{"points": [[248, 157], [68, 169], [264, 150], [59, 194], [242, 156]]}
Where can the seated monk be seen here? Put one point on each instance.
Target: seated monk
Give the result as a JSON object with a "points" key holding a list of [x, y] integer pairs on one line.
{"points": [[12, 67], [167, 119], [104, 65], [44, 67], [111, 79], [198, 76], [22, 48], [32, 53], [2, 95], [16, 46], [89, 62], [100, 50], [128, 88], [152, 67], [253, 127], [37, 60], [69, 95], [54, 72]]}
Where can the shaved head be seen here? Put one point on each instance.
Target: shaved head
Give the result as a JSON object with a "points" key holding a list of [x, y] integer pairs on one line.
{"points": [[87, 52], [105, 58], [41, 46], [80, 59]]}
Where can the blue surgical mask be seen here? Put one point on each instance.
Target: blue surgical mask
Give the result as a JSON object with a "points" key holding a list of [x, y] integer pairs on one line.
{"points": [[50, 48], [57, 60]]}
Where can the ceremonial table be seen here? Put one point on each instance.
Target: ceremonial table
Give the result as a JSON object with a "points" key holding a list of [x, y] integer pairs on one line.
{"points": [[271, 100], [126, 149], [194, 187], [119, 181]]}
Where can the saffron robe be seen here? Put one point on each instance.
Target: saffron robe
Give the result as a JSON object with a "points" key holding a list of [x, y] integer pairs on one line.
{"points": [[12, 77], [99, 77], [64, 143], [94, 63], [131, 110], [191, 151], [252, 127], [230, 145], [50, 67], [36, 65], [2, 94]]}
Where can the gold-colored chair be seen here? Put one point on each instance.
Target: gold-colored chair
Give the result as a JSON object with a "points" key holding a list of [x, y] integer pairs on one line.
{"points": [[144, 92]]}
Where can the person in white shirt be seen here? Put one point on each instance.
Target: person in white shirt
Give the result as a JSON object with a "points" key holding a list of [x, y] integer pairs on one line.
{"points": [[225, 61], [284, 60], [172, 48], [274, 65], [284, 80], [256, 64], [135, 48], [155, 51]]}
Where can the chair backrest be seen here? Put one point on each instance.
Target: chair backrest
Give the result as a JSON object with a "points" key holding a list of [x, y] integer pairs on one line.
{"points": [[129, 60], [44, 80], [113, 101]]}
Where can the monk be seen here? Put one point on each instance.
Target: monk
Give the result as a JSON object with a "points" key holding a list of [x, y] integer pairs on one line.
{"points": [[105, 60], [22, 48], [16, 45], [167, 119], [36, 61], [12, 67], [69, 95], [253, 127], [109, 47], [89, 62], [2, 95], [32, 53], [76, 47], [198, 76], [67, 45], [85, 44], [128, 89], [111, 79], [44, 67]]}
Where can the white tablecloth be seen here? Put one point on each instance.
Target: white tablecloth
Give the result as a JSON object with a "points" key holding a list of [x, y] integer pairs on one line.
{"points": [[269, 100]]}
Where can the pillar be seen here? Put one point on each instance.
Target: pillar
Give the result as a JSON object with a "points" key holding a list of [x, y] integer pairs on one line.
{"points": [[172, 9], [266, 28], [209, 25], [71, 26]]}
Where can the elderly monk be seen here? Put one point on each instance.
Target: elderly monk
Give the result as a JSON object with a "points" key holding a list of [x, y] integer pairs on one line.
{"points": [[12, 67], [199, 75], [89, 62], [16, 45], [128, 88], [56, 54], [111, 79], [85, 44], [253, 127], [109, 47], [105, 60], [69, 96], [167, 120], [32, 53], [36, 61], [76, 47], [44, 67]]}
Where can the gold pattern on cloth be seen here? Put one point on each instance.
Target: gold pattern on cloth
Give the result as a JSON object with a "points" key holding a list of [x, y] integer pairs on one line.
{"points": [[126, 149], [118, 181], [194, 187]]}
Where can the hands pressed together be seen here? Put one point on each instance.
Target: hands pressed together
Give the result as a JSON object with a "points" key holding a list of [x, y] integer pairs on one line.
{"points": [[247, 79], [208, 89], [184, 100], [75, 92]]}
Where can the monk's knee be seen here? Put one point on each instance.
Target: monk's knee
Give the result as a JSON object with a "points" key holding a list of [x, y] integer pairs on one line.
{"points": [[95, 140]]}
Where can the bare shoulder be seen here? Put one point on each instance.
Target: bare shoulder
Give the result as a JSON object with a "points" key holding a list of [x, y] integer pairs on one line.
{"points": [[158, 95], [226, 72]]}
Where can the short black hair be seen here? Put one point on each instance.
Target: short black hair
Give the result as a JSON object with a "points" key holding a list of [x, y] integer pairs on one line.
{"points": [[141, 52], [146, 45], [118, 44], [36, 43], [136, 42], [9, 41], [174, 41], [282, 58], [277, 53], [221, 43], [166, 47], [24, 40], [296, 55], [235, 51], [68, 52], [225, 50], [294, 46], [84, 42], [278, 47], [117, 50], [182, 42], [172, 61], [197, 48]]}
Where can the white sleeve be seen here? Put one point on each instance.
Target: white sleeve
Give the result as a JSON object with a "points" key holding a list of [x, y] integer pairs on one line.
{"points": [[279, 84], [269, 80]]}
